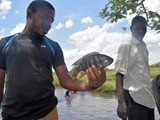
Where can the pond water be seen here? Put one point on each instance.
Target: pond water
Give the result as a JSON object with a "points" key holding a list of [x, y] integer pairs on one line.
{"points": [[87, 106]]}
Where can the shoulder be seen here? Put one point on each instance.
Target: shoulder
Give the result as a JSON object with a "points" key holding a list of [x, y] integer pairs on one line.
{"points": [[125, 46], [54, 46], [4, 40], [50, 41]]}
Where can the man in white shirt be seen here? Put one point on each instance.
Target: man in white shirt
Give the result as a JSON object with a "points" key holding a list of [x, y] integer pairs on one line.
{"points": [[133, 84]]}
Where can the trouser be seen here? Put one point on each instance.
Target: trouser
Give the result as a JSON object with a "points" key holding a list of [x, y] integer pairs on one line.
{"points": [[156, 91], [53, 115], [136, 111]]}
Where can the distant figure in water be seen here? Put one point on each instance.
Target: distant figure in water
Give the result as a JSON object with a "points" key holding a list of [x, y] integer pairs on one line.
{"points": [[68, 92]]}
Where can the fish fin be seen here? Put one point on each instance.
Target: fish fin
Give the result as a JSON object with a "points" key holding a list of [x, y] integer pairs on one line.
{"points": [[88, 54]]}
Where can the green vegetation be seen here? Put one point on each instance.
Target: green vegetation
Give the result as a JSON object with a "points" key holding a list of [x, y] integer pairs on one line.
{"points": [[155, 69], [109, 85], [115, 10]]}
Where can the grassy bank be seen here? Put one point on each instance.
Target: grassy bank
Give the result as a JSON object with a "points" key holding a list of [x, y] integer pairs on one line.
{"points": [[109, 85]]}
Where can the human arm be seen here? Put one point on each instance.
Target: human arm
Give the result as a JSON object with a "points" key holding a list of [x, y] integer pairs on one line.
{"points": [[2, 78], [121, 68], [2, 67], [122, 108], [96, 77]]}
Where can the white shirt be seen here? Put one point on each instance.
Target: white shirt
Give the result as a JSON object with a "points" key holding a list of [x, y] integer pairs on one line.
{"points": [[132, 62]]}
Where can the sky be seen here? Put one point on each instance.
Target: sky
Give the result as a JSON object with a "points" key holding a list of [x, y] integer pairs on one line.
{"points": [[78, 28]]}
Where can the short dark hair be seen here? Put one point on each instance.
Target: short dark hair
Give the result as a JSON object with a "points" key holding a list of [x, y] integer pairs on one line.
{"points": [[35, 4], [138, 19]]}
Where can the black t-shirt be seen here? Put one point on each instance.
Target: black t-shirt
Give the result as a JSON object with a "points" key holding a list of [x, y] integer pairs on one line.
{"points": [[28, 62]]}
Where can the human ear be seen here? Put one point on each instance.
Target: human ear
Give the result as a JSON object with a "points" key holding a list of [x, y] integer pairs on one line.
{"points": [[29, 14]]}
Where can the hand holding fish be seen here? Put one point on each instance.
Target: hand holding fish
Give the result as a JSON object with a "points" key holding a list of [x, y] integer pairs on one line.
{"points": [[93, 58], [93, 64], [96, 76]]}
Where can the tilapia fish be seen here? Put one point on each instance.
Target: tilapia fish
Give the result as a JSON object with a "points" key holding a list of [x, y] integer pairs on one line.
{"points": [[93, 58]]}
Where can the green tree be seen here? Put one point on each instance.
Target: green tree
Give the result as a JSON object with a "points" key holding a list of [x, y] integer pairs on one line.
{"points": [[118, 9]]}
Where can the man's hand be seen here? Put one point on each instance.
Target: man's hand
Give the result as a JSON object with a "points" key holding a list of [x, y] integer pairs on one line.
{"points": [[96, 77], [122, 111]]}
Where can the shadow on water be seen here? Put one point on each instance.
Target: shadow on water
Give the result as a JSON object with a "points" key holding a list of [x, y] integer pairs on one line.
{"points": [[87, 106]]}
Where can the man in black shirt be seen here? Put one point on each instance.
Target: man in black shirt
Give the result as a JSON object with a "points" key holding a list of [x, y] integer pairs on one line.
{"points": [[28, 58], [156, 91]]}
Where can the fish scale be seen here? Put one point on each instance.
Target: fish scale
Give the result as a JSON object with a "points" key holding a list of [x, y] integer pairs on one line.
{"points": [[93, 58]]}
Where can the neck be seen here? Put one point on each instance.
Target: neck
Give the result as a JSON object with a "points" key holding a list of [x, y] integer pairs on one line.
{"points": [[30, 32]]}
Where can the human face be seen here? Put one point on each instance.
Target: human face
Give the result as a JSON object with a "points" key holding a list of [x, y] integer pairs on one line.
{"points": [[138, 30], [41, 21]]}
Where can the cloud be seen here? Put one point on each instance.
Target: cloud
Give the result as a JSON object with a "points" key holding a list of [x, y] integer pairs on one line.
{"points": [[59, 26], [69, 23], [19, 27], [53, 29], [87, 20], [3, 17], [154, 6], [1, 32], [5, 6], [153, 43]]}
